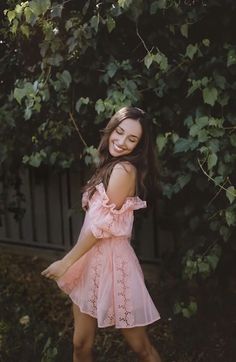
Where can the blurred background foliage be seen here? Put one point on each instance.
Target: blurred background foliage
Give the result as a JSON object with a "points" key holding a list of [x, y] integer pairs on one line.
{"points": [[67, 66]]}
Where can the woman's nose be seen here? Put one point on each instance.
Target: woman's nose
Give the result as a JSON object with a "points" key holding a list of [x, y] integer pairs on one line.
{"points": [[121, 141]]}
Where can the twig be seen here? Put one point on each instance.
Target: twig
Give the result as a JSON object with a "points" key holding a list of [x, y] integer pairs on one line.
{"points": [[137, 32], [216, 194], [47, 75], [222, 187], [212, 216], [77, 129], [210, 247]]}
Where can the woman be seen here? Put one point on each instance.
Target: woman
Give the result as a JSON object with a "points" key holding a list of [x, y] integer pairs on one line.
{"points": [[101, 273]]}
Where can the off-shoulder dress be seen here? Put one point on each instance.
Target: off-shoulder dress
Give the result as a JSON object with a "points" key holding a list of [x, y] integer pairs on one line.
{"points": [[107, 282]]}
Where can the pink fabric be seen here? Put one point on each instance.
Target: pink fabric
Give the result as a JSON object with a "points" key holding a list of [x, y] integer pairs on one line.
{"points": [[107, 282]]}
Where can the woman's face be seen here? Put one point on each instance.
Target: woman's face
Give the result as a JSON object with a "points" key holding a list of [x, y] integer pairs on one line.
{"points": [[125, 137]]}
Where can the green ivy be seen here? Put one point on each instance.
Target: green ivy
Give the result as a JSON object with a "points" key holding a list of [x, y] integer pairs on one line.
{"points": [[76, 63]]}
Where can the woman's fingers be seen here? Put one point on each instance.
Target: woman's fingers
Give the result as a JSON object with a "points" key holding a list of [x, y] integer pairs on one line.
{"points": [[55, 270], [46, 273]]}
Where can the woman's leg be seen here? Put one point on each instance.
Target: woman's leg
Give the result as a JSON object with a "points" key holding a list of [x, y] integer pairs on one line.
{"points": [[139, 341], [84, 335]]}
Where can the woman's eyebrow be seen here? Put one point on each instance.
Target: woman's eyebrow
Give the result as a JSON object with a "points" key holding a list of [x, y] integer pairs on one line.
{"points": [[122, 129]]}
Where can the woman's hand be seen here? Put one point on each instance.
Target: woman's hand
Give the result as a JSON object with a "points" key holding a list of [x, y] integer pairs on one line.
{"points": [[55, 270]]}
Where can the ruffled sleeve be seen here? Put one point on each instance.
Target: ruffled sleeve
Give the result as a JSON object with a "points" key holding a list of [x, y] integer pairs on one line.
{"points": [[105, 220]]}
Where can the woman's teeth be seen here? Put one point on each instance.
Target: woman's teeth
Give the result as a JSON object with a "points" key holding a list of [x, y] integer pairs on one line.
{"points": [[117, 148]]}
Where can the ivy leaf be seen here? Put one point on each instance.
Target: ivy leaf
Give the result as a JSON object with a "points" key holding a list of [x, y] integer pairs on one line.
{"points": [[213, 261], [14, 26], [99, 106], [191, 50], [203, 135], [111, 24], [183, 180], [231, 59], [161, 59], [39, 7], [66, 77], [220, 80], [194, 130], [124, 3], [19, 93], [25, 30], [80, 102], [94, 21], [193, 307], [56, 10], [161, 4], [211, 160], [182, 145], [230, 217], [202, 121], [216, 122], [231, 193], [11, 14], [56, 59], [225, 232], [206, 42], [112, 69], [233, 140], [28, 113], [148, 59], [184, 30], [161, 141], [29, 16], [158, 4], [203, 267], [210, 95], [186, 313]]}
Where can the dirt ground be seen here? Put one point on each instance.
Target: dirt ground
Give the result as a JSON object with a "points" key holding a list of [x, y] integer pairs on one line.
{"points": [[36, 320]]}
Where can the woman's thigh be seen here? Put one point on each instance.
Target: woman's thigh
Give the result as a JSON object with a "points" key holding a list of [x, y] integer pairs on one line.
{"points": [[84, 327]]}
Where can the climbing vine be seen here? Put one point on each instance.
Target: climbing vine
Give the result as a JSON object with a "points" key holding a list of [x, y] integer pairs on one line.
{"points": [[76, 63]]}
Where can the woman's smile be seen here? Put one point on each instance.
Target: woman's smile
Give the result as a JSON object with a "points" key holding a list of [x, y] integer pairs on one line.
{"points": [[125, 137], [118, 148]]}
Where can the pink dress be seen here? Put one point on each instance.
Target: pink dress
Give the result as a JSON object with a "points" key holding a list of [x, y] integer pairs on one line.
{"points": [[107, 282]]}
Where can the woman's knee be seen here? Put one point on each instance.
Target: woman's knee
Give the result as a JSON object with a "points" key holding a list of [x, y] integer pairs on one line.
{"points": [[143, 350], [82, 345], [139, 342]]}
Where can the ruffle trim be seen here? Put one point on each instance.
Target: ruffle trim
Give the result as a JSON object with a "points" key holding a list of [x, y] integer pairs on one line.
{"points": [[130, 203]]}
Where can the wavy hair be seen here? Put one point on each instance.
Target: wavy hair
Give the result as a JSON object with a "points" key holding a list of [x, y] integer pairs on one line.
{"points": [[143, 156]]}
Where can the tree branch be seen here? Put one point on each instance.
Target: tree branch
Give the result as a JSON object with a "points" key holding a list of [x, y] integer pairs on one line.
{"points": [[77, 129]]}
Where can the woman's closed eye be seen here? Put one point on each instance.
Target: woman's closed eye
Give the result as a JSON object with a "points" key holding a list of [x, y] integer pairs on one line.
{"points": [[119, 131], [132, 140]]}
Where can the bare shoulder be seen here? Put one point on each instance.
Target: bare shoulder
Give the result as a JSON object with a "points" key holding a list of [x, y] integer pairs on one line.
{"points": [[125, 167], [121, 183]]}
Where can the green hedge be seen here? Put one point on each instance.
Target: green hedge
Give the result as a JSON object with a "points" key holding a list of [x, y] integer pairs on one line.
{"points": [[76, 63]]}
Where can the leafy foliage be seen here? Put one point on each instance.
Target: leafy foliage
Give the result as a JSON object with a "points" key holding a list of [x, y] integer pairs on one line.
{"points": [[76, 63]]}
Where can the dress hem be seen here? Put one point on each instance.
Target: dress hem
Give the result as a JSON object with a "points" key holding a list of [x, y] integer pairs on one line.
{"points": [[113, 324]]}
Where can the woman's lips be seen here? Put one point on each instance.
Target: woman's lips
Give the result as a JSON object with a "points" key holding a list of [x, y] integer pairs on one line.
{"points": [[117, 148]]}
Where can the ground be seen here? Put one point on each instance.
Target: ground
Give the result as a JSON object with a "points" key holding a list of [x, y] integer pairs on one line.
{"points": [[36, 321]]}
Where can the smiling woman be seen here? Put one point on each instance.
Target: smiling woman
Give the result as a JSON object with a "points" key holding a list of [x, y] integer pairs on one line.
{"points": [[125, 137], [101, 273]]}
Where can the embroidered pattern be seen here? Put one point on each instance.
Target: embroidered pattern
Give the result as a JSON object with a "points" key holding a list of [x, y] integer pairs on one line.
{"points": [[94, 281], [109, 320], [125, 314]]}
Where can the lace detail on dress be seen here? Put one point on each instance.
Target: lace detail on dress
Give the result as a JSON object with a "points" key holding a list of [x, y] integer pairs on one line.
{"points": [[94, 281], [126, 316], [110, 317]]}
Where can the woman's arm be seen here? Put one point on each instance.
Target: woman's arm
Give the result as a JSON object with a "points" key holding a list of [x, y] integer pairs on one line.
{"points": [[121, 185], [85, 242]]}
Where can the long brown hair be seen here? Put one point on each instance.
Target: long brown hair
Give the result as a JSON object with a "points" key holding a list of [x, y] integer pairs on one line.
{"points": [[143, 156]]}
